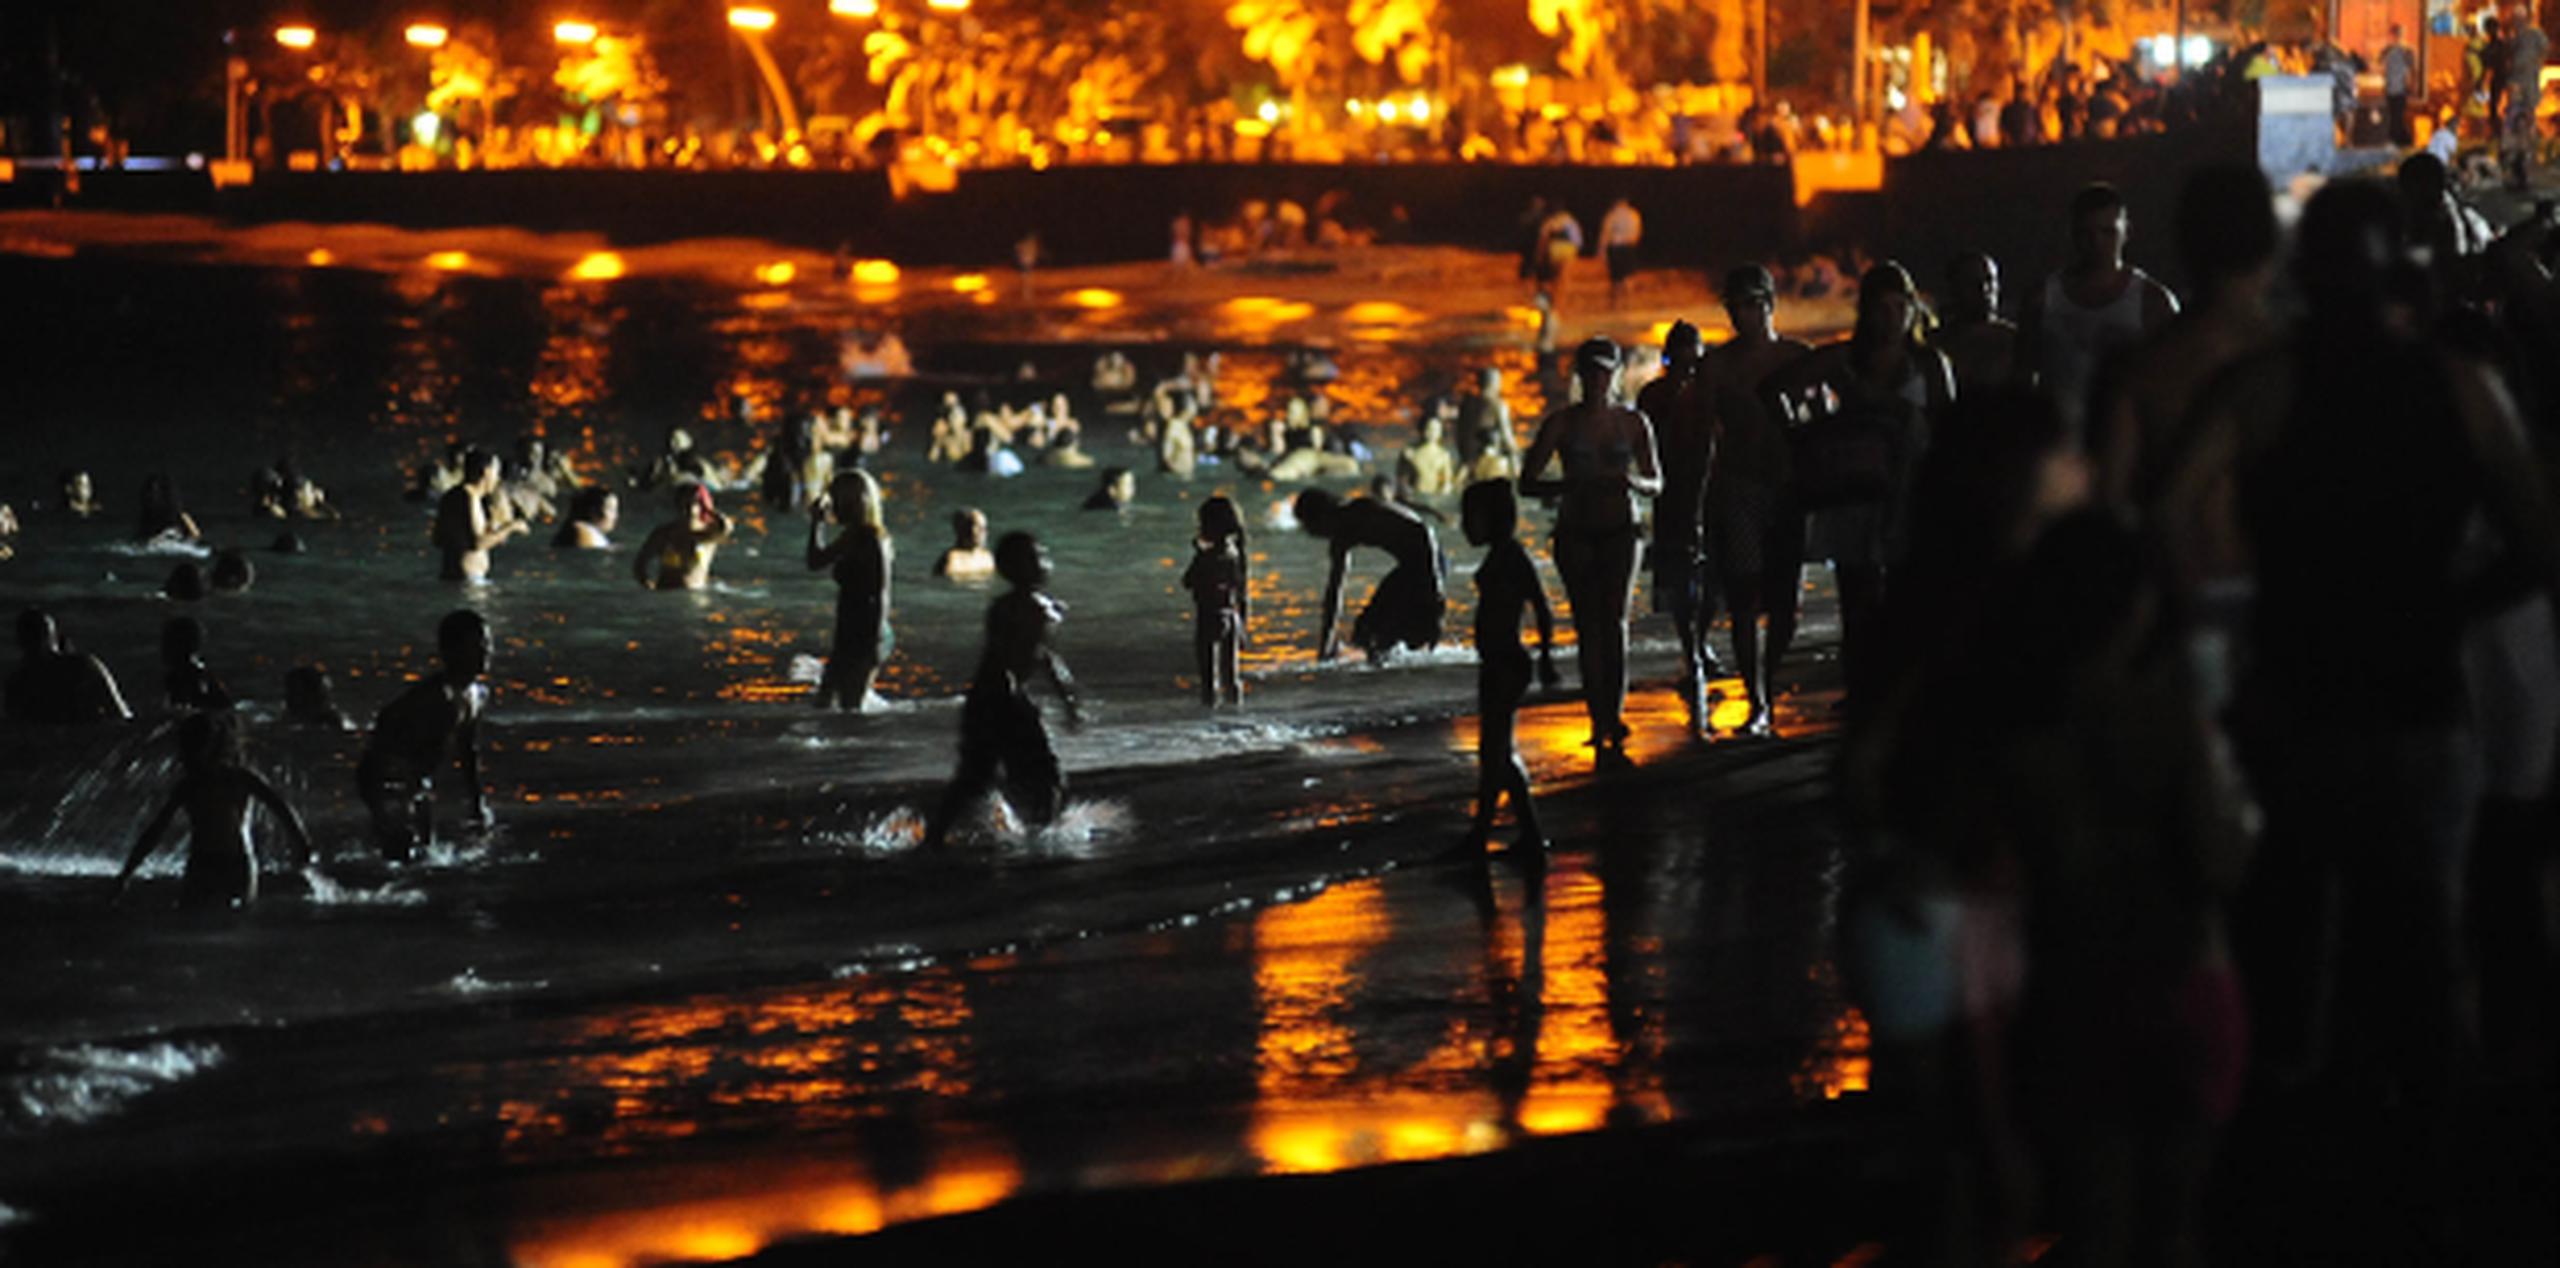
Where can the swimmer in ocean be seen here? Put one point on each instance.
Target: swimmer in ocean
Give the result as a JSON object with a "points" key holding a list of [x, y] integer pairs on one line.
{"points": [[682, 549], [216, 793], [968, 559], [437, 719], [465, 531], [56, 685]]}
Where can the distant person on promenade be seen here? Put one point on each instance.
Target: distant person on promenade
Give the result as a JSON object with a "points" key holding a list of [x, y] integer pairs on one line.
{"points": [[1003, 741], [216, 792], [968, 558], [1621, 243], [1684, 427], [1506, 582], [2094, 307], [465, 532], [859, 559], [2399, 76], [1559, 241], [162, 515], [56, 685], [1221, 601], [1755, 533], [1976, 340], [1405, 609], [1608, 457], [436, 720], [2527, 49], [678, 553]]}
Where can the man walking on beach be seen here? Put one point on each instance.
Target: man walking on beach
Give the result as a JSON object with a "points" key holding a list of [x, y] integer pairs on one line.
{"points": [[1621, 235], [2526, 50]]}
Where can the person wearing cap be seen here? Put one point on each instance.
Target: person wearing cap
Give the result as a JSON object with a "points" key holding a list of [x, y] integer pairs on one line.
{"points": [[1676, 404], [1609, 460], [1754, 534], [682, 549]]}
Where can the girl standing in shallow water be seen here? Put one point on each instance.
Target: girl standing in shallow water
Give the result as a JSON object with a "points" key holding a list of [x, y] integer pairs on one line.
{"points": [[1506, 582], [1220, 598], [860, 557]]}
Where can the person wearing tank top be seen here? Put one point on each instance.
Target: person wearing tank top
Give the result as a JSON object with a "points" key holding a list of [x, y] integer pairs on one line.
{"points": [[2095, 306]]}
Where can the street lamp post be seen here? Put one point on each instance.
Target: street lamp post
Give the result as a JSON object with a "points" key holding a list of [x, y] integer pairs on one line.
{"points": [[751, 24]]}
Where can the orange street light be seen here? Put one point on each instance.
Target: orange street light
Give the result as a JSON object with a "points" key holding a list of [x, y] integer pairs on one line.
{"points": [[854, 8], [425, 35], [751, 19], [574, 31], [297, 37], [947, 6]]}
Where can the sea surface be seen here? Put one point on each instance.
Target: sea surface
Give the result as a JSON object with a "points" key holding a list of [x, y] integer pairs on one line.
{"points": [[699, 991]]}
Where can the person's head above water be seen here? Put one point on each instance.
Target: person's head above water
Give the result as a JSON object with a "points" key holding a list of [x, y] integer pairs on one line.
{"points": [[1489, 511], [2098, 226], [307, 693], [185, 583], [853, 497], [1119, 486], [479, 469], [1316, 510], [969, 529], [1683, 346], [597, 505], [464, 642], [696, 500], [232, 571], [1022, 561]]}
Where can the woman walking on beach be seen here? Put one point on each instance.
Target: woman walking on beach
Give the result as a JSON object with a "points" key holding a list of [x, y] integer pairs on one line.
{"points": [[1609, 461], [859, 557]]}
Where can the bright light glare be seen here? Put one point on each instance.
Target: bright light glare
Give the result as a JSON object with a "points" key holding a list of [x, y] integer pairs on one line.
{"points": [[751, 19], [320, 258], [947, 6], [426, 35], [599, 266], [778, 273], [2199, 50], [1422, 110], [574, 32], [969, 283], [425, 126], [854, 8], [450, 261], [875, 273], [1389, 111], [297, 36], [1269, 112], [1094, 297]]}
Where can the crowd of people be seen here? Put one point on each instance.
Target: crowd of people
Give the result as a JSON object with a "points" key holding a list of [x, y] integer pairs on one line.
{"points": [[2119, 577]]}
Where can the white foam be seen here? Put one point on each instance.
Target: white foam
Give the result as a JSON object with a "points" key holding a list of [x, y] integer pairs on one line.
{"points": [[893, 831], [83, 1083], [329, 893], [469, 982]]}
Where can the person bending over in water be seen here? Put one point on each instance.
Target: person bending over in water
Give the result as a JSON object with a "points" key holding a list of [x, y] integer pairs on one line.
{"points": [[216, 792], [1506, 582], [436, 719], [967, 560], [1405, 609], [465, 531], [860, 557], [1003, 741], [682, 549], [1609, 461], [1221, 600], [56, 685], [188, 683], [593, 513]]}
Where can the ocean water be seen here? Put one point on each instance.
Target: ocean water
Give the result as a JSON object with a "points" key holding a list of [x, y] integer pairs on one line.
{"points": [[702, 924]]}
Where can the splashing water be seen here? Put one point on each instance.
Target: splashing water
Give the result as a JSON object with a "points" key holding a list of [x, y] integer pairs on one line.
{"points": [[86, 1082]]}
